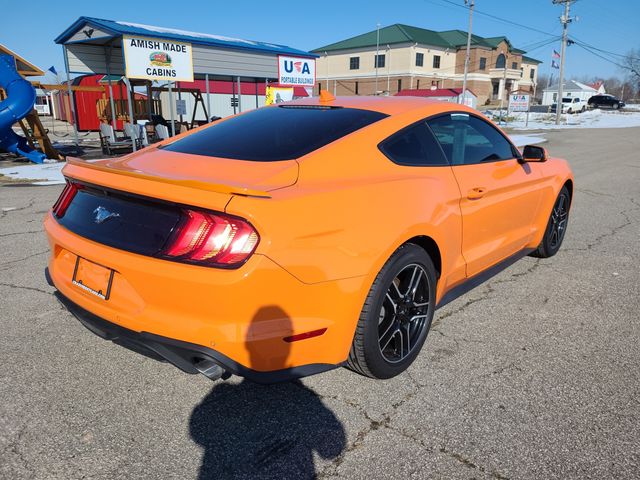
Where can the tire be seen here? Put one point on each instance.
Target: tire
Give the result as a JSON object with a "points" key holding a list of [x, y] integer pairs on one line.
{"points": [[556, 226], [391, 315], [583, 109], [616, 106]]}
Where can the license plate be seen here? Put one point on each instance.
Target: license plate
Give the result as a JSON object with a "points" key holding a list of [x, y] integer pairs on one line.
{"points": [[92, 278]]}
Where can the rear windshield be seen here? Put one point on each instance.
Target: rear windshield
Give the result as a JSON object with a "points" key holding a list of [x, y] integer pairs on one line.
{"points": [[275, 133]]}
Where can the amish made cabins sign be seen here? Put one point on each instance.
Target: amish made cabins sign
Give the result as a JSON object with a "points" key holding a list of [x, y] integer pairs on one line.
{"points": [[157, 59]]}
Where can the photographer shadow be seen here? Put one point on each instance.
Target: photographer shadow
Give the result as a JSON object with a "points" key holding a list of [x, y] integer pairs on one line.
{"points": [[250, 431]]}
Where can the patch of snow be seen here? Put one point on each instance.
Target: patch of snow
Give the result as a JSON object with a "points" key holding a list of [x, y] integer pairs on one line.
{"points": [[590, 119], [43, 174], [187, 33], [522, 140]]}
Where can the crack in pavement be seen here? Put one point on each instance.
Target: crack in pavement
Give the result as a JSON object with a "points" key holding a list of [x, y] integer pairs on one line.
{"points": [[593, 192], [19, 233], [13, 448], [374, 425], [23, 287], [4, 212], [600, 238], [470, 464], [11, 262]]}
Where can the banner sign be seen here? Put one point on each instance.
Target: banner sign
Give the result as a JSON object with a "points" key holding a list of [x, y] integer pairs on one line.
{"points": [[295, 71], [518, 103], [278, 95], [157, 59]]}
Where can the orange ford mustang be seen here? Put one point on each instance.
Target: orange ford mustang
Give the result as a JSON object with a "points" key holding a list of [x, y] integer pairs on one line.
{"points": [[292, 239]]}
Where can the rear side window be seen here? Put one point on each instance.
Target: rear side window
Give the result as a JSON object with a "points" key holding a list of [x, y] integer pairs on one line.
{"points": [[414, 145], [467, 140], [275, 133]]}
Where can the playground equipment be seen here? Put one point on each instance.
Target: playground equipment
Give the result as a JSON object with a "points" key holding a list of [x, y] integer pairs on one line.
{"points": [[21, 97]]}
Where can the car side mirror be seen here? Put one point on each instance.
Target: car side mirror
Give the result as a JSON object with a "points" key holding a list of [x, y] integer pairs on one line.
{"points": [[533, 153]]}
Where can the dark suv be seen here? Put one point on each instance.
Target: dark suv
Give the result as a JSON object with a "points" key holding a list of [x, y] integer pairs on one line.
{"points": [[609, 101]]}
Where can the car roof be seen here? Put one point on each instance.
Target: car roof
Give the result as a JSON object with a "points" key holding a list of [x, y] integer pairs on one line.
{"points": [[387, 105]]}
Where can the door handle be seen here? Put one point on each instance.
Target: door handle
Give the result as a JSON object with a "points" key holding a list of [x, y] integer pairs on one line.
{"points": [[476, 193]]}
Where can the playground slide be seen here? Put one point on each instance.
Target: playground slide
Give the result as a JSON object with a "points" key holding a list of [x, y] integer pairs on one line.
{"points": [[21, 97]]}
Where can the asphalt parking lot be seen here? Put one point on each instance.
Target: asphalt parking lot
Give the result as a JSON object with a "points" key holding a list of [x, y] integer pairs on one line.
{"points": [[535, 374]]}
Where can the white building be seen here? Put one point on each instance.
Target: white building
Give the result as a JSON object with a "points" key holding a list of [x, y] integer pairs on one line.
{"points": [[572, 89]]}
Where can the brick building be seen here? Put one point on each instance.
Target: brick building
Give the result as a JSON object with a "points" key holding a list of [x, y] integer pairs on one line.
{"points": [[417, 58]]}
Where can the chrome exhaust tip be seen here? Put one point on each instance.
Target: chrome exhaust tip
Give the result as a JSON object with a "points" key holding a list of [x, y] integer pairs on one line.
{"points": [[211, 370]]}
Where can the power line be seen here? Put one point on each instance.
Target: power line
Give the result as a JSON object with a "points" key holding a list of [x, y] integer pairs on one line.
{"points": [[495, 17], [584, 47], [577, 40]]}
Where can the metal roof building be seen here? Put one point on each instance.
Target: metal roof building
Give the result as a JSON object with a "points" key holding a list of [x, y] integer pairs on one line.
{"points": [[97, 46], [91, 43]]}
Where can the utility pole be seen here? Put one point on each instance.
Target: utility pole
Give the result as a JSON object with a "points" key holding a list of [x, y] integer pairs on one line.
{"points": [[504, 83], [377, 54], [468, 55], [565, 20]]}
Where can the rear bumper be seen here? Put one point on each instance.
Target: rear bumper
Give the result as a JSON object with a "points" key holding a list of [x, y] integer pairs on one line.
{"points": [[183, 355], [240, 318]]}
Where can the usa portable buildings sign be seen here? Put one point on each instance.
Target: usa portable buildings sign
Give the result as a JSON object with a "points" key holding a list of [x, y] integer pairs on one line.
{"points": [[518, 103], [157, 59], [296, 71]]}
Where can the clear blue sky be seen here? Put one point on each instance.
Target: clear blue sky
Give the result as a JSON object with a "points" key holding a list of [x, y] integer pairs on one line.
{"points": [[29, 27]]}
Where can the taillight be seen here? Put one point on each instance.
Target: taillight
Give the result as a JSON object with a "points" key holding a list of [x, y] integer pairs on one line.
{"points": [[212, 239], [63, 202]]}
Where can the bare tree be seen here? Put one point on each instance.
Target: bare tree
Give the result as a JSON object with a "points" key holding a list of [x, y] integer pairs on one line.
{"points": [[631, 65], [543, 82], [613, 85]]}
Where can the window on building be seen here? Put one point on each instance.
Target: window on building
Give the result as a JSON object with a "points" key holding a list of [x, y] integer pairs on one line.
{"points": [[357, 93], [501, 61], [399, 84], [514, 65], [419, 59], [379, 61], [532, 73], [483, 63], [414, 146], [468, 140], [354, 63], [436, 61]]}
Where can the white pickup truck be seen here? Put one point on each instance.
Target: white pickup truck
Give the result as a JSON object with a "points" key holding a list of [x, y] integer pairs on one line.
{"points": [[571, 105]]}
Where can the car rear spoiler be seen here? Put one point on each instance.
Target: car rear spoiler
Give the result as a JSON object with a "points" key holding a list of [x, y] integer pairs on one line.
{"points": [[197, 184]]}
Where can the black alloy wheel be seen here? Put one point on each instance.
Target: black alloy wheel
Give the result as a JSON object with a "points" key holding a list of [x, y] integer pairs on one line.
{"points": [[403, 313], [559, 217], [556, 226], [396, 316]]}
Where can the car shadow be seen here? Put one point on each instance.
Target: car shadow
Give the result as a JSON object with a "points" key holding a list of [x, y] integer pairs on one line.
{"points": [[250, 431]]}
